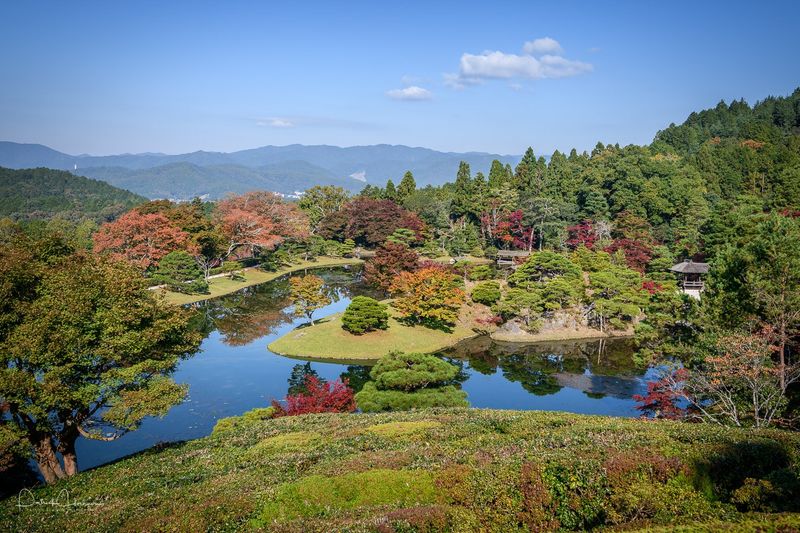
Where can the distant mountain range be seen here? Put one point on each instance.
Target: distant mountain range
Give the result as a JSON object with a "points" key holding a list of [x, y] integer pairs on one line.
{"points": [[283, 169]]}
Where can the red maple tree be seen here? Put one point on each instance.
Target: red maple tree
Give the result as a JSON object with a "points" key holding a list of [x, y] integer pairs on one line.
{"points": [[259, 220], [142, 239], [390, 259], [582, 234], [369, 222], [663, 396]]}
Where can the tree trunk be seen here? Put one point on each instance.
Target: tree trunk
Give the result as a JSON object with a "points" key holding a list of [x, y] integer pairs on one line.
{"points": [[46, 460], [67, 449]]}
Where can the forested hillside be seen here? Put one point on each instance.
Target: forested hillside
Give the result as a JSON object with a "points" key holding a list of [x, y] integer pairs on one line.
{"points": [[42, 193], [743, 150]]}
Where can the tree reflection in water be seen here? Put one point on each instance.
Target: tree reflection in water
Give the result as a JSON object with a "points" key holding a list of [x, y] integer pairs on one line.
{"points": [[254, 312], [596, 367]]}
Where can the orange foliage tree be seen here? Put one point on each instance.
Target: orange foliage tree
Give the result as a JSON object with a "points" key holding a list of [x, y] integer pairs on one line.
{"points": [[740, 384], [141, 238], [259, 220], [430, 296]]}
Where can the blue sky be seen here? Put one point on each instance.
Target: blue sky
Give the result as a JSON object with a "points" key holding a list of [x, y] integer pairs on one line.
{"points": [[111, 77]]}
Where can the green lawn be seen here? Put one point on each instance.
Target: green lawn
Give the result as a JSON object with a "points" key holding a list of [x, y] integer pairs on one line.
{"points": [[327, 340], [435, 470], [253, 276]]}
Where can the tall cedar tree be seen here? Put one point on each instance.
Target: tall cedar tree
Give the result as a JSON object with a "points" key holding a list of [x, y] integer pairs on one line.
{"points": [[407, 186]]}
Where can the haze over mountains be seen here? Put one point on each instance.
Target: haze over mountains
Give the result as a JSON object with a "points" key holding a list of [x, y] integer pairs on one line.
{"points": [[283, 169]]}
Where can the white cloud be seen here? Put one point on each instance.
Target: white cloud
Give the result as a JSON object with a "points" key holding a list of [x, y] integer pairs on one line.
{"points": [[276, 122], [541, 59], [545, 45], [412, 93]]}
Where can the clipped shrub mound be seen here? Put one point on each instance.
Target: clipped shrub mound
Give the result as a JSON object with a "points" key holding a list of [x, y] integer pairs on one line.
{"points": [[486, 293], [372, 400], [365, 314], [401, 371], [410, 381]]}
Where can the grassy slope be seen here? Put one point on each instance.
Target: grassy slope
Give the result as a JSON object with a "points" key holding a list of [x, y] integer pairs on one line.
{"points": [[327, 340], [445, 469], [253, 276]]}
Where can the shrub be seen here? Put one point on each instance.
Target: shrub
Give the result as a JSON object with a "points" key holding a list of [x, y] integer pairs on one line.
{"points": [[371, 399], [316, 496], [406, 372], [249, 418], [364, 314], [180, 273], [410, 381], [543, 266], [481, 272], [486, 293], [318, 397]]}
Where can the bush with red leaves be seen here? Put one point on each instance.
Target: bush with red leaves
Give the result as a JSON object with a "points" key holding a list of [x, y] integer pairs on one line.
{"points": [[582, 234], [319, 397], [651, 286], [663, 395]]}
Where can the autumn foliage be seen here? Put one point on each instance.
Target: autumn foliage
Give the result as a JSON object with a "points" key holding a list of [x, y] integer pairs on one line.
{"points": [[663, 397], [369, 222], [390, 260], [318, 397], [142, 239], [259, 220], [429, 296], [582, 234]]}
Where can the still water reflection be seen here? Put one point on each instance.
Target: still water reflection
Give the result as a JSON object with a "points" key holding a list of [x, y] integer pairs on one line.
{"points": [[234, 371]]}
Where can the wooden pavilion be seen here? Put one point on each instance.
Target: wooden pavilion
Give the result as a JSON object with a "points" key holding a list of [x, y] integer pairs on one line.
{"points": [[509, 258], [691, 277]]}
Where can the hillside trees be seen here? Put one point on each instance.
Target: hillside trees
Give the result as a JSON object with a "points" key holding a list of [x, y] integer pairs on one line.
{"points": [[760, 279]]}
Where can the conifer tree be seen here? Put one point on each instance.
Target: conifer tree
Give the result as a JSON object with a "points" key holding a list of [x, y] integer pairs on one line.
{"points": [[407, 186]]}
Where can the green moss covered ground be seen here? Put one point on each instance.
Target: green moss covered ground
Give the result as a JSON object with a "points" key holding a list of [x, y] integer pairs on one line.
{"points": [[432, 470]]}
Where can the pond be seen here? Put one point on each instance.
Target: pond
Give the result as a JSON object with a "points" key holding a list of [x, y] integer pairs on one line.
{"points": [[234, 371]]}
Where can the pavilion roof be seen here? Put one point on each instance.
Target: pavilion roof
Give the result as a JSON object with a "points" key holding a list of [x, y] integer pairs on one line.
{"points": [[690, 267]]}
